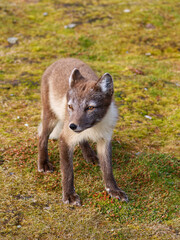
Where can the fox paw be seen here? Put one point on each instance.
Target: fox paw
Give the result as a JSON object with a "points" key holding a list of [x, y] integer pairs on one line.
{"points": [[45, 167], [72, 199], [118, 193]]}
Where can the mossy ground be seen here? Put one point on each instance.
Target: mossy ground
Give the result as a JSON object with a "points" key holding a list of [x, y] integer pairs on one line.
{"points": [[140, 48]]}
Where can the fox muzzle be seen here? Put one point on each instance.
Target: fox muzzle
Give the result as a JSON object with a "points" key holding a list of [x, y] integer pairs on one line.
{"points": [[73, 126]]}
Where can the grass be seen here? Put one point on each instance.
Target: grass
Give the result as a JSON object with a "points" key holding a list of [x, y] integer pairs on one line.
{"points": [[140, 49]]}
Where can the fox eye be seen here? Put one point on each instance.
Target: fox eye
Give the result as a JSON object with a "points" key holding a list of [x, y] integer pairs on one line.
{"points": [[70, 107], [90, 108]]}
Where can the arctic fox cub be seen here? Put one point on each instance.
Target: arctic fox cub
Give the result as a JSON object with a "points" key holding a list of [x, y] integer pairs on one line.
{"points": [[77, 107]]}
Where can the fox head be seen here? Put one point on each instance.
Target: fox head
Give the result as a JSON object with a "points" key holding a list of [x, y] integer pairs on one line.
{"points": [[88, 101]]}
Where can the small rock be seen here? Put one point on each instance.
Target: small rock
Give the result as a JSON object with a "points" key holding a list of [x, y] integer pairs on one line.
{"points": [[137, 71], [71, 25], [12, 40], [138, 153], [148, 54], [45, 14], [148, 117], [47, 208], [26, 124], [126, 10], [150, 26]]}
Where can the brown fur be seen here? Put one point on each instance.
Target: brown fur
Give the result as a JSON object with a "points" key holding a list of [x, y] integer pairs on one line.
{"points": [[82, 89]]}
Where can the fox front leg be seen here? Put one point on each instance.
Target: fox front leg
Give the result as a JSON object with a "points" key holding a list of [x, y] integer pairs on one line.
{"points": [[69, 194], [104, 150]]}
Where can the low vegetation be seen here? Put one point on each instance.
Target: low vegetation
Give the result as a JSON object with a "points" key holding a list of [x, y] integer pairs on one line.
{"points": [[138, 43]]}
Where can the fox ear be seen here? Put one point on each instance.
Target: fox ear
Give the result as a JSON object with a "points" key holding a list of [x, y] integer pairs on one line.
{"points": [[106, 83], [74, 77]]}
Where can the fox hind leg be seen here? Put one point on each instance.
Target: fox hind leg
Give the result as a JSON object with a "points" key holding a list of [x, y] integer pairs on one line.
{"points": [[49, 122], [88, 153]]}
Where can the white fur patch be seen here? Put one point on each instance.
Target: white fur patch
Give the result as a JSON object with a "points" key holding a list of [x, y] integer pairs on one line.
{"points": [[103, 85], [70, 102], [40, 129], [70, 78], [102, 147], [92, 103], [107, 189], [57, 130], [58, 105], [102, 130]]}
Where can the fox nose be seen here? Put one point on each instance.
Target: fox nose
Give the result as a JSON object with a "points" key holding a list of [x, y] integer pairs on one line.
{"points": [[73, 126]]}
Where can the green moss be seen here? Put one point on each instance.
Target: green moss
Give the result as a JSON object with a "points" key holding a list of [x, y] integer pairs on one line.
{"points": [[144, 64]]}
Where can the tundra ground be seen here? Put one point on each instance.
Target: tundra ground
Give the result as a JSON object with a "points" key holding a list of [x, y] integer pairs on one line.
{"points": [[138, 43]]}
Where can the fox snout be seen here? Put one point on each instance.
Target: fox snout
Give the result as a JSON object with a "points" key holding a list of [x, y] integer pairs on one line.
{"points": [[72, 126], [76, 128]]}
